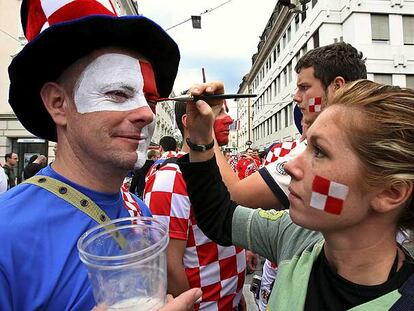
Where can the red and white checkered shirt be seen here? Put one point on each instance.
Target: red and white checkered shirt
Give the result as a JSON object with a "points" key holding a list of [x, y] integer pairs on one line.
{"points": [[279, 150], [219, 271]]}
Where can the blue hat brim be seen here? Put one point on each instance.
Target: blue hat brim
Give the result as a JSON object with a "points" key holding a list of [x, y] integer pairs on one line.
{"points": [[56, 48]]}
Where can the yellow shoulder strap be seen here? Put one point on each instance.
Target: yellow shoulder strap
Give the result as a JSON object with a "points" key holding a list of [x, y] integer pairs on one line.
{"points": [[77, 199]]}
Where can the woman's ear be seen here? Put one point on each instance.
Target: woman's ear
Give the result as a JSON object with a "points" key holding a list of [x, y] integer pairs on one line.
{"points": [[392, 196], [53, 96]]}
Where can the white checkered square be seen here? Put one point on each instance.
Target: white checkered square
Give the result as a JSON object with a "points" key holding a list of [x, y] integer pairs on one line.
{"points": [[166, 183], [184, 202], [337, 190], [209, 306], [210, 274], [165, 220], [199, 236], [228, 286], [241, 261], [226, 252], [318, 200], [190, 258]]}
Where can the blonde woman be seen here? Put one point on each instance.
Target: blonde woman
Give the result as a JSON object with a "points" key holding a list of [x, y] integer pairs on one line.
{"points": [[351, 192]]}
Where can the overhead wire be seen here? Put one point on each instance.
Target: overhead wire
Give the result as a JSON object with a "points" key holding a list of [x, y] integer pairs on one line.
{"points": [[202, 13]]}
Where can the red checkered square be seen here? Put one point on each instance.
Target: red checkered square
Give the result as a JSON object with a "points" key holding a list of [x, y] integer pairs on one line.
{"points": [[207, 264], [207, 253], [226, 303], [211, 292], [315, 104], [230, 262], [328, 195], [279, 150]]}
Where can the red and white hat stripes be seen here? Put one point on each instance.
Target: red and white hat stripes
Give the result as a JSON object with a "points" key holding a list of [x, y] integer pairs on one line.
{"points": [[44, 13], [328, 195]]}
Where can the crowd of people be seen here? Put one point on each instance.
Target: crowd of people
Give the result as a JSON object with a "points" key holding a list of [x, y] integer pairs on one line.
{"points": [[332, 212]]}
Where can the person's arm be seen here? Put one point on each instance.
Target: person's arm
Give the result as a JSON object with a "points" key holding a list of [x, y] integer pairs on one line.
{"points": [[161, 203], [177, 278]]}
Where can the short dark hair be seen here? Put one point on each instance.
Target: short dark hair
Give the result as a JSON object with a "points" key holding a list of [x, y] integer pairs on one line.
{"points": [[331, 61], [8, 156], [168, 143], [180, 109]]}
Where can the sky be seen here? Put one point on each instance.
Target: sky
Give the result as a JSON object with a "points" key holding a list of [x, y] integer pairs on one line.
{"points": [[224, 45]]}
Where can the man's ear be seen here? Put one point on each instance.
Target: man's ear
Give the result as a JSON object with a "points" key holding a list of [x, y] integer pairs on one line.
{"points": [[392, 196], [184, 120], [338, 82], [54, 97]]}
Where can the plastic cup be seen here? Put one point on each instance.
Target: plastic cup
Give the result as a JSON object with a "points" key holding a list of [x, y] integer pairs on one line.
{"points": [[126, 262]]}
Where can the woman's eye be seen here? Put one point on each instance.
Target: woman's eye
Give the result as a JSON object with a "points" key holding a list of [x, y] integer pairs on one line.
{"points": [[318, 152]]}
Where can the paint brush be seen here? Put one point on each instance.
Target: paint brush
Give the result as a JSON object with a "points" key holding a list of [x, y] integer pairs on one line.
{"points": [[194, 98]]}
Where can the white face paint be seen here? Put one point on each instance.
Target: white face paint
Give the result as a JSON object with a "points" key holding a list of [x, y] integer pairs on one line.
{"points": [[146, 131], [112, 82]]}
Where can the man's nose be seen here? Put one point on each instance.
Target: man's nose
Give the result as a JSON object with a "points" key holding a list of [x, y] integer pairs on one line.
{"points": [[141, 115]]}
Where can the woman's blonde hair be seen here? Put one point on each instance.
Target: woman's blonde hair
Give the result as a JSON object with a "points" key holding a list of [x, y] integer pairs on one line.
{"points": [[380, 128]]}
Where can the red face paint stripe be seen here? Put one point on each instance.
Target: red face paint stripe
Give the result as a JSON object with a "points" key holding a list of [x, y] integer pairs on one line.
{"points": [[150, 85]]}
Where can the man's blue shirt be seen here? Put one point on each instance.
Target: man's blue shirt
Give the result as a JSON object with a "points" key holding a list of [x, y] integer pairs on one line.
{"points": [[40, 267]]}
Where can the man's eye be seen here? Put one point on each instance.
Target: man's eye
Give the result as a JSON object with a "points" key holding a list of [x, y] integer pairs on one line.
{"points": [[118, 95]]}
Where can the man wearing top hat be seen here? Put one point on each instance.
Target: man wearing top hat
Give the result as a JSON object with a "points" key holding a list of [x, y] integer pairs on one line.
{"points": [[88, 80]]}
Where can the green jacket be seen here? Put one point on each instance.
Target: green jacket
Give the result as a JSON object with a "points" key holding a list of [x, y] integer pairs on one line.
{"points": [[273, 235]]}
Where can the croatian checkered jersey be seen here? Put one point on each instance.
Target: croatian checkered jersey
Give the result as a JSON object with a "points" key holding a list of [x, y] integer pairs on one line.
{"points": [[219, 271], [279, 150], [274, 173]]}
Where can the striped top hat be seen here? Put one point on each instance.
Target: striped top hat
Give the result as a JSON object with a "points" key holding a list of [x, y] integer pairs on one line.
{"points": [[62, 31]]}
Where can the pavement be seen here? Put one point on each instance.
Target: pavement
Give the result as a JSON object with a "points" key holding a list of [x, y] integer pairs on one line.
{"points": [[248, 295]]}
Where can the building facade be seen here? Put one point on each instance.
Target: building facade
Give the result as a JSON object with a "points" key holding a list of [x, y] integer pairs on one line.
{"points": [[15, 138], [382, 29]]}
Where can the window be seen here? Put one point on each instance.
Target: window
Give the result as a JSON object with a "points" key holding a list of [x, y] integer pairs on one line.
{"points": [[289, 70], [314, 2], [383, 78], [409, 81], [289, 32], [297, 21], [278, 84], [285, 76], [316, 39], [304, 49], [408, 29], [286, 116], [284, 41], [303, 12], [274, 55], [380, 28]]}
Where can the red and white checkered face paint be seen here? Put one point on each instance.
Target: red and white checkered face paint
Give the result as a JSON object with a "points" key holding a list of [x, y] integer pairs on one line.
{"points": [[328, 195], [150, 85], [315, 104]]}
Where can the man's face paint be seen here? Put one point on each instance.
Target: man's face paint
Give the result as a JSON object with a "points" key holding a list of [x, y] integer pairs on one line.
{"points": [[221, 126], [315, 104], [147, 132], [150, 85], [328, 195], [113, 82], [118, 82]]}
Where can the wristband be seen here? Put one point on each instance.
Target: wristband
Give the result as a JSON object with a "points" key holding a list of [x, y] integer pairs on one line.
{"points": [[200, 148]]}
